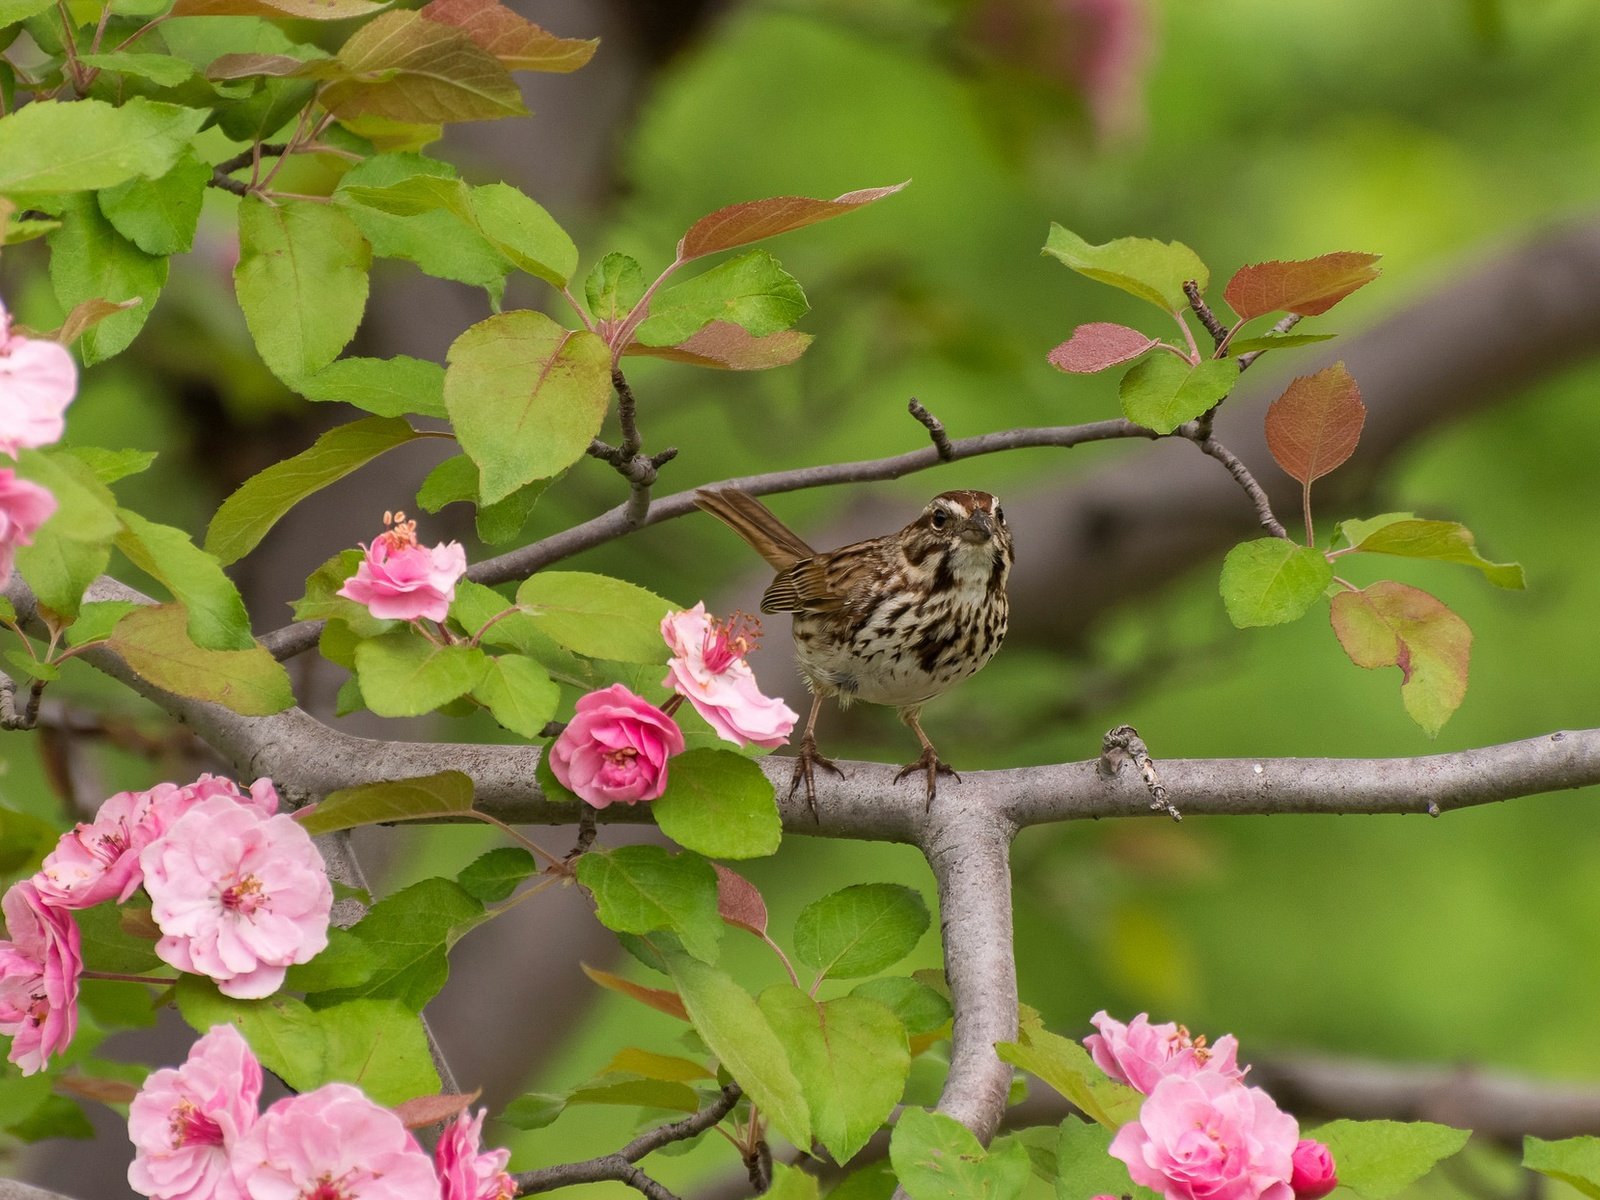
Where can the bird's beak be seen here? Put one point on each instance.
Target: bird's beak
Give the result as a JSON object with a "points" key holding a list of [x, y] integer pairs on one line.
{"points": [[979, 527]]}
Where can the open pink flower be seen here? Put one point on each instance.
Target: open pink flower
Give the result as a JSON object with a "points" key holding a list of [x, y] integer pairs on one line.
{"points": [[709, 670], [466, 1174], [1141, 1054], [1314, 1175], [24, 507], [1208, 1137], [37, 381], [39, 969], [403, 580], [186, 1121], [615, 749], [332, 1144], [237, 896]]}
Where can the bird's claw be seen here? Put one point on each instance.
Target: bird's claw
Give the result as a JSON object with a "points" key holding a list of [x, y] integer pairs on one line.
{"points": [[930, 763], [803, 764]]}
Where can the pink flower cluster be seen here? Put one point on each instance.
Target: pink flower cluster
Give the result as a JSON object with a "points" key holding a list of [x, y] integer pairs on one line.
{"points": [[198, 1134], [402, 580], [1202, 1133], [37, 381]]}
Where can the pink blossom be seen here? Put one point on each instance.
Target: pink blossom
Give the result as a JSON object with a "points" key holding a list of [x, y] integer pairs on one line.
{"points": [[37, 381], [1314, 1175], [332, 1144], [615, 749], [1141, 1054], [186, 1121], [400, 579], [24, 507], [1208, 1137], [237, 896], [709, 670], [39, 969], [466, 1174]]}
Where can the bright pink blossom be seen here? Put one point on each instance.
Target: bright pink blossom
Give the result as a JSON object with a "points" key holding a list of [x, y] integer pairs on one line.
{"points": [[186, 1121], [464, 1172], [709, 670], [1314, 1175], [237, 896], [615, 749], [37, 381], [24, 507], [1208, 1137], [332, 1144], [400, 579], [1141, 1054], [39, 969]]}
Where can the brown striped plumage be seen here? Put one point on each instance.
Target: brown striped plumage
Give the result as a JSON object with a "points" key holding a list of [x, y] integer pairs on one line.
{"points": [[893, 620]]}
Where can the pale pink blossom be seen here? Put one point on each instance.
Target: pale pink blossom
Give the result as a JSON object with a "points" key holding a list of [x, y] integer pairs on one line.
{"points": [[186, 1121], [1314, 1175], [400, 579], [615, 748], [708, 669], [464, 1172], [237, 896], [37, 381], [24, 507], [332, 1144], [39, 968], [1141, 1054], [1208, 1137]]}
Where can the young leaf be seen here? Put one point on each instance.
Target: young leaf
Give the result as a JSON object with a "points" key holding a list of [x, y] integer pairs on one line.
{"points": [[308, 10], [347, 962], [404, 675], [1405, 536], [533, 1110], [645, 1093], [160, 215], [90, 260], [520, 229], [448, 793], [719, 804], [936, 1157], [1066, 1067], [218, 619], [727, 347], [1314, 426], [520, 694], [596, 615], [1163, 392], [526, 397], [640, 889], [860, 930], [387, 387], [657, 998], [1098, 345], [161, 69], [1271, 580], [741, 224], [751, 291], [1574, 1161], [1377, 1159], [72, 548], [613, 287], [155, 644], [85, 145], [1151, 270], [406, 68], [1307, 287], [245, 517], [518, 43], [440, 240], [493, 876], [1276, 341], [738, 901], [666, 1067], [1084, 1168], [86, 314], [1392, 625]]}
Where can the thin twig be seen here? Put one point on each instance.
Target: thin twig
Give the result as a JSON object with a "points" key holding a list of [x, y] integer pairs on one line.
{"points": [[638, 469], [222, 173], [935, 428], [1247, 481], [1202, 310], [10, 716], [1123, 745], [1283, 326]]}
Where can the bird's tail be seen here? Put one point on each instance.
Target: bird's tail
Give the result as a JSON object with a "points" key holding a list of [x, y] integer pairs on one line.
{"points": [[756, 524]]}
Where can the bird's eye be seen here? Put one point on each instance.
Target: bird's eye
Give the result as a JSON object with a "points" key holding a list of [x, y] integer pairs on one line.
{"points": [[940, 517]]}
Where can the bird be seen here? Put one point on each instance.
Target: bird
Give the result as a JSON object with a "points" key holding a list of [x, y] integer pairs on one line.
{"points": [[893, 620]]}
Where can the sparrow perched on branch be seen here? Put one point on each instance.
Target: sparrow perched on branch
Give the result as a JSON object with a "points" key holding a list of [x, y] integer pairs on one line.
{"points": [[896, 620]]}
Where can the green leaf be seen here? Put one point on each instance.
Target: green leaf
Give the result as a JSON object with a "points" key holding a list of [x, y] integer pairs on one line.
{"points": [[533, 1110], [13, 11], [84, 145], [860, 930], [935, 1157], [1272, 580], [596, 616], [1066, 1067], [301, 281], [218, 619], [1406, 536], [90, 260], [650, 1065], [110, 945], [613, 287], [493, 876], [1574, 1161], [1163, 391], [404, 675], [348, 622], [919, 1007], [751, 291], [735, 1030], [640, 889], [71, 549], [526, 397], [519, 228], [388, 387], [247, 515], [161, 69], [1084, 1167], [442, 242], [282, 1031], [874, 1181], [97, 619], [1151, 270], [1392, 625], [109, 466], [346, 962], [648, 1093], [1377, 1159], [520, 694], [719, 804], [850, 1057], [448, 793], [753, 220], [1277, 341], [154, 642], [411, 932], [160, 215]]}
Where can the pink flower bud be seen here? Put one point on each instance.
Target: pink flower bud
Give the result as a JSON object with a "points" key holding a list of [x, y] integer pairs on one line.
{"points": [[615, 749], [465, 1173], [1141, 1054], [1314, 1175], [402, 580], [37, 381]]}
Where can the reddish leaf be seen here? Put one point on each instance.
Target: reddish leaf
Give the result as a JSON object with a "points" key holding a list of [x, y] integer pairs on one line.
{"points": [[106, 1091], [1308, 286], [87, 315], [739, 902], [659, 999], [1098, 345], [1393, 625], [245, 66], [312, 10], [518, 43], [739, 224], [422, 1111], [729, 347], [1315, 424]]}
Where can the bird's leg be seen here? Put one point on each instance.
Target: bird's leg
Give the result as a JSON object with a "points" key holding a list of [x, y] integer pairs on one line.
{"points": [[929, 761], [809, 758]]}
